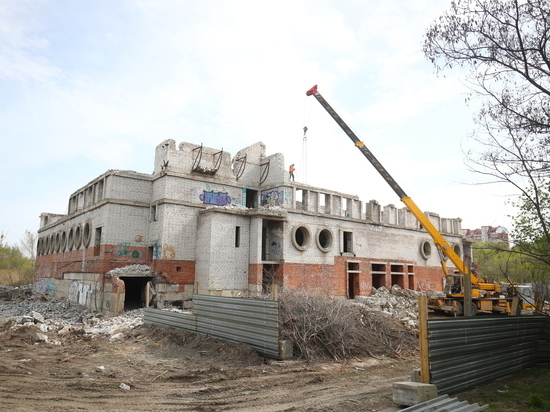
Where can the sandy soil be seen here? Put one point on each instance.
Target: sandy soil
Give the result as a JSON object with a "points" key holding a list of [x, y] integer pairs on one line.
{"points": [[163, 369]]}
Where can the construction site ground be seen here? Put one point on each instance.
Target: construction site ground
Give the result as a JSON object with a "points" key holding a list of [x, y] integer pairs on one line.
{"points": [[70, 361]]}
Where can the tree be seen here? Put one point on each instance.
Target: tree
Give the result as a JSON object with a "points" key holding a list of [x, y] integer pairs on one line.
{"points": [[15, 269], [505, 44], [28, 244], [501, 263]]}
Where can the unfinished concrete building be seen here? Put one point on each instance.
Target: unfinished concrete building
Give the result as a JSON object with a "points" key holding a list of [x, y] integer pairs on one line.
{"points": [[205, 222]]}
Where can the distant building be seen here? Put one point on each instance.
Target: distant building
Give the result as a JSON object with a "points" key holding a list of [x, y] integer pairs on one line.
{"points": [[487, 234], [209, 223]]}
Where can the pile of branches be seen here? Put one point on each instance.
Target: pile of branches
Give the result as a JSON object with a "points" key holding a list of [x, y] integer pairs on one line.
{"points": [[323, 327]]}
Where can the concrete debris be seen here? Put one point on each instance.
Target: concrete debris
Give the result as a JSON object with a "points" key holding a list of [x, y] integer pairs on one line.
{"points": [[58, 319], [12, 292], [142, 270], [397, 303]]}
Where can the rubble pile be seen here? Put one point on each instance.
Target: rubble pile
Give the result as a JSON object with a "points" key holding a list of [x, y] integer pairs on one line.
{"points": [[57, 319], [397, 303], [142, 270]]}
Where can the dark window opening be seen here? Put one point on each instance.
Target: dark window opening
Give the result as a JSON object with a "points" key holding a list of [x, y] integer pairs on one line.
{"points": [[378, 273], [178, 268], [398, 280], [397, 268], [237, 236], [378, 281], [251, 198], [348, 242]]}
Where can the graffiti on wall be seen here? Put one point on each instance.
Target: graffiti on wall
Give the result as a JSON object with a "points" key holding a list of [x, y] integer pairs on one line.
{"points": [[275, 249], [80, 293], [272, 198], [45, 285], [125, 252], [157, 251], [215, 198], [164, 251], [168, 251]]}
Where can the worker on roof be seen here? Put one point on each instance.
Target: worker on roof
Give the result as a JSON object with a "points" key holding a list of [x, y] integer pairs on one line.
{"points": [[291, 171]]}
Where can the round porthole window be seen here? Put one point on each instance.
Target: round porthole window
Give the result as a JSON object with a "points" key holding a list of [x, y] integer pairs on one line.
{"points": [[324, 240], [457, 250], [70, 239], [301, 237], [57, 241], [87, 234], [77, 237], [425, 249], [51, 249], [63, 240]]}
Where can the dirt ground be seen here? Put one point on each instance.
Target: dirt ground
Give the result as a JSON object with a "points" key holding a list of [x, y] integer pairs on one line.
{"points": [[164, 369]]}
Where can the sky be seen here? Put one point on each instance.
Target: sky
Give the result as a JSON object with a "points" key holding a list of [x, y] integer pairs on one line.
{"points": [[88, 86]]}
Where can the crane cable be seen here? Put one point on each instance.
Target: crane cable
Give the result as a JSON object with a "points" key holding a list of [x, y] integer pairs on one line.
{"points": [[303, 158]]}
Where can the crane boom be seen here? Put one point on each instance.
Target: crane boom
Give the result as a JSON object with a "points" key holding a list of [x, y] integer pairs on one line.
{"points": [[438, 239]]}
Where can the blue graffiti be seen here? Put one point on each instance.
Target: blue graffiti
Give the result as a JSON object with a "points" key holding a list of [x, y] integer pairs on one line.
{"points": [[45, 285], [215, 198], [157, 251], [272, 198]]}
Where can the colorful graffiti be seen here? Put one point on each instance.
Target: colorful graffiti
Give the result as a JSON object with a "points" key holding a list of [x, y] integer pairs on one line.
{"points": [[80, 293], [168, 252], [215, 198], [125, 252], [272, 198], [45, 285], [157, 251]]}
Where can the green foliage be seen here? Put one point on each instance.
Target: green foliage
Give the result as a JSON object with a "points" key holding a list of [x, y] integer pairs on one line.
{"points": [[532, 224], [528, 390], [15, 268]]}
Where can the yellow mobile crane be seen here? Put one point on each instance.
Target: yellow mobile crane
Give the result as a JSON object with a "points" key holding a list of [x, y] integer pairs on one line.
{"points": [[475, 293]]}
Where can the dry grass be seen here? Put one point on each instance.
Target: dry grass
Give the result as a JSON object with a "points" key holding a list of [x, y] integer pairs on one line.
{"points": [[14, 278]]}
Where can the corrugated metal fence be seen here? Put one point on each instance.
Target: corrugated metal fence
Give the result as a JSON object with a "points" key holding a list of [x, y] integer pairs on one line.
{"points": [[252, 321], [467, 352]]}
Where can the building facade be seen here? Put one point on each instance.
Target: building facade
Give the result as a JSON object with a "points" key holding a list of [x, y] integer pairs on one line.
{"points": [[205, 222], [498, 234]]}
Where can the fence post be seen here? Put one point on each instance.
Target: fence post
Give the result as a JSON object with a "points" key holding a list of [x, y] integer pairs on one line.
{"points": [[423, 337]]}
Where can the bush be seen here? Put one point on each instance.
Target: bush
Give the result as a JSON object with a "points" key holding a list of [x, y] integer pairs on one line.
{"points": [[323, 327]]}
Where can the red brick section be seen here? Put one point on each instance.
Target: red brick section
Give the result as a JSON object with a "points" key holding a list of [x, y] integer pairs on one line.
{"points": [[111, 257], [310, 278], [333, 279], [255, 274], [176, 271]]}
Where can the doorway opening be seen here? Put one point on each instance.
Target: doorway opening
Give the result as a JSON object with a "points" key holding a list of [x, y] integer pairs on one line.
{"points": [[270, 277], [353, 279], [135, 292]]}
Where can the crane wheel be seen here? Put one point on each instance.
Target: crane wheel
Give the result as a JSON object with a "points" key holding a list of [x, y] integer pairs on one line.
{"points": [[459, 308], [473, 309]]}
